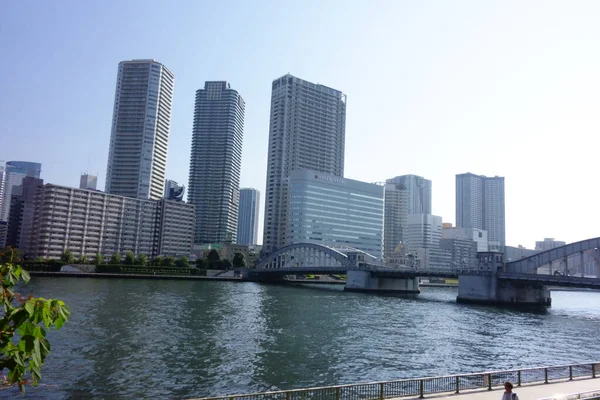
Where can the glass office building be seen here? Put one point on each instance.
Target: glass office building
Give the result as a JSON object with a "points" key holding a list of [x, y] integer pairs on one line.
{"points": [[333, 211]]}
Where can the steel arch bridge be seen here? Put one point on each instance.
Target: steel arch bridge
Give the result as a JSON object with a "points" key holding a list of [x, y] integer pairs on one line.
{"points": [[529, 265], [306, 255]]}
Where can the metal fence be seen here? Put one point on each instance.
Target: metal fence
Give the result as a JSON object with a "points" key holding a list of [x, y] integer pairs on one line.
{"points": [[430, 385]]}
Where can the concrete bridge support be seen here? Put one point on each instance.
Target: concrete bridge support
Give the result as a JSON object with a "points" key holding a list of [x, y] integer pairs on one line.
{"points": [[366, 281], [487, 289]]}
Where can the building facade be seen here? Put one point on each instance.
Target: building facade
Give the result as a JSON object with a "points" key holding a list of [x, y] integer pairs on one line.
{"points": [[480, 205], [88, 181], [137, 158], [548, 244], [89, 222], [418, 192], [479, 236], [247, 232], [463, 253], [395, 218], [174, 191], [333, 211], [215, 162], [306, 131], [20, 224], [14, 173]]}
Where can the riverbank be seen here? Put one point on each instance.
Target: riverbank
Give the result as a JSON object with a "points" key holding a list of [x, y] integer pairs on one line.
{"points": [[132, 276], [73, 274]]}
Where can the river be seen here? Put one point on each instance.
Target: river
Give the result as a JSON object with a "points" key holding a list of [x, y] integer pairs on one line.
{"points": [[179, 339]]}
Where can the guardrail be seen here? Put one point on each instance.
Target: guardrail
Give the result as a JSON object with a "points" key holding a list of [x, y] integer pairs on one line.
{"points": [[429, 385]]}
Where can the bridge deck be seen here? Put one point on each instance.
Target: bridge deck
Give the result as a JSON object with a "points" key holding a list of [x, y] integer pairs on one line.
{"points": [[527, 392]]}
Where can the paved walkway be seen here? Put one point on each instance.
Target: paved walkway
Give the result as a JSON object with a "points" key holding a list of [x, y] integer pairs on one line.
{"points": [[528, 392]]}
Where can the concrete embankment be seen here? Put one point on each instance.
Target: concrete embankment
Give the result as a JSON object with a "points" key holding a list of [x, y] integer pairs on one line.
{"points": [[132, 276]]}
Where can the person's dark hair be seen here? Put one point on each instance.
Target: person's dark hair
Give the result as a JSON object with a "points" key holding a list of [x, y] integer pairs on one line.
{"points": [[507, 383]]}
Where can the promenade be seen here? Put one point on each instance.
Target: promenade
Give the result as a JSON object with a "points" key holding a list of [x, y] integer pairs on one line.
{"points": [[526, 392]]}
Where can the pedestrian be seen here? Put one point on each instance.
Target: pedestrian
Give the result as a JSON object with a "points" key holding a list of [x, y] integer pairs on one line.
{"points": [[508, 393]]}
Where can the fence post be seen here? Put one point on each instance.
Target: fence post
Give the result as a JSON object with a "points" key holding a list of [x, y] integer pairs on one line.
{"points": [[421, 388], [490, 381], [457, 384], [381, 391], [570, 372], [519, 378], [337, 393], [593, 370], [545, 375], [287, 395]]}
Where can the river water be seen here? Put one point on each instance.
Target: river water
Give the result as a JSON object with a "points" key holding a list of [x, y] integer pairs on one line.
{"points": [[139, 339]]}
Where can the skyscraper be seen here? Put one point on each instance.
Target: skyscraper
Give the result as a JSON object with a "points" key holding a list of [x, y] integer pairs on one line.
{"points": [[215, 162], [418, 191], [480, 204], [174, 191], [88, 181], [395, 217], [137, 157], [247, 232], [306, 131], [14, 173]]}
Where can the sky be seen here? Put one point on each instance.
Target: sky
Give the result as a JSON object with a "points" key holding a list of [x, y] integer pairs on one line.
{"points": [[434, 88]]}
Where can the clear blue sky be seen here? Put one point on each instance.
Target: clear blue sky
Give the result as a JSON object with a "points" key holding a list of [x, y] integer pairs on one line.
{"points": [[435, 88]]}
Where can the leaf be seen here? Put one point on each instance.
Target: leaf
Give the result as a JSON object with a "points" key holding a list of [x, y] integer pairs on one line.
{"points": [[30, 306], [25, 276]]}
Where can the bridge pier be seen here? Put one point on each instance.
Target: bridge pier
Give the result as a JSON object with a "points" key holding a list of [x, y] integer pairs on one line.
{"points": [[483, 286], [368, 281]]}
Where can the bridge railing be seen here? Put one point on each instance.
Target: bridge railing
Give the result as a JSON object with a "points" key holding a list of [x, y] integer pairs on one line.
{"points": [[429, 385]]}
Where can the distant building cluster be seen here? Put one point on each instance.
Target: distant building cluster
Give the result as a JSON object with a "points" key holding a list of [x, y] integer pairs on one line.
{"points": [[307, 198]]}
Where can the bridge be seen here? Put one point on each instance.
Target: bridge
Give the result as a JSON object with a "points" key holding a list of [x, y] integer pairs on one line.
{"points": [[520, 282]]}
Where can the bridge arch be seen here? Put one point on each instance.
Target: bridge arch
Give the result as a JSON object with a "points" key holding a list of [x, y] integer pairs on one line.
{"points": [[300, 255], [532, 263]]}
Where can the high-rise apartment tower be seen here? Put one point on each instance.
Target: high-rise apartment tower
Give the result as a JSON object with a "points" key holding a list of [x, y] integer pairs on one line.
{"points": [[215, 162], [480, 204], [137, 157], [247, 233], [306, 131]]}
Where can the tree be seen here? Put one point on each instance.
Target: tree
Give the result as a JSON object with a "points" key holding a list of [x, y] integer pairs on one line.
{"points": [[67, 257], [142, 259], [98, 259], [182, 262], [39, 259], [239, 261], [168, 261], [129, 258], [157, 261], [115, 258], [23, 343], [82, 259], [226, 264], [201, 263], [213, 255]]}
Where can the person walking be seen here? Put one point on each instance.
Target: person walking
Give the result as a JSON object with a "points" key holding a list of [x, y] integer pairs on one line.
{"points": [[508, 393]]}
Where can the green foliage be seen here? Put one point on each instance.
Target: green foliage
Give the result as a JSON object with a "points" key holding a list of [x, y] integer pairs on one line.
{"points": [[98, 259], [201, 263], [168, 261], [226, 264], [39, 259], [23, 343], [67, 257], [239, 261], [129, 258], [182, 262], [140, 269], [82, 259], [115, 258], [142, 259], [157, 261], [11, 254], [212, 256]]}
